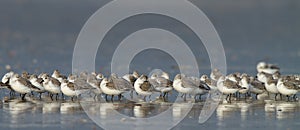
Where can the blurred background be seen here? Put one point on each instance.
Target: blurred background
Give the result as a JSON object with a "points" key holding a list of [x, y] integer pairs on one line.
{"points": [[39, 35]]}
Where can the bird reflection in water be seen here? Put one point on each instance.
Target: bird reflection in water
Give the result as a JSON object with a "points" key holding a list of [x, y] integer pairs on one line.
{"points": [[280, 109], [30, 112]]}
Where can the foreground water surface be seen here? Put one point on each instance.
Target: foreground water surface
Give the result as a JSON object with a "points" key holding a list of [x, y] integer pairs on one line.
{"points": [[35, 113]]}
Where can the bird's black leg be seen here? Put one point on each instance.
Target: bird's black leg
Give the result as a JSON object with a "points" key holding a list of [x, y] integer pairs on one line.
{"points": [[295, 97], [182, 95], [119, 97], [32, 94], [165, 93], [112, 98], [105, 97], [51, 96], [23, 96]]}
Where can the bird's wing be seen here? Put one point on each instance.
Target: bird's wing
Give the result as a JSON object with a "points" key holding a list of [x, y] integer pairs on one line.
{"points": [[55, 81], [290, 85], [121, 84], [153, 82], [188, 83], [146, 86]]}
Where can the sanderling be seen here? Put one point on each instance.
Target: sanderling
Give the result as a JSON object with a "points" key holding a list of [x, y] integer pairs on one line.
{"points": [[161, 84], [5, 81], [6, 77], [262, 76], [287, 87], [25, 75], [245, 84], [215, 74], [52, 85], [100, 76], [228, 87], [256, 87], [121, 82], [38, 82], [143, 87], [271, 86], [131, 77], [72, 78], [185, 85], [109, 88], [68, 88], [234, 77], [267, 68], [57, 75], [202, 89], [95, 83], [21, 85], [211, 83], [82, 86]]}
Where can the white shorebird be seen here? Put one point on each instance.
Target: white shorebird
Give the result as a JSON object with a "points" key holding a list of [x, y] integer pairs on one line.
{"points": [[109, 88], [161, 83], [131, 77], [121, 82], [100, 76], [262, 76], [38, 82], [256, 87], [68, 89], [5, 80], [244, 83], [57, 75], [25, 75], [271, 86], [234, 77], [228, 87], [215, 74], [189, 85], [21, 85], [143, 87], [72, 78], [267, 68], [202, 89], [211, 83], [287, 87], [51, 85], [95, 83], [6, 77]]}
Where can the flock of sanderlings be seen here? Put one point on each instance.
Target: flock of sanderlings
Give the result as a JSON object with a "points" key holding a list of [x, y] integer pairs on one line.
{"points": [[267, 81]]}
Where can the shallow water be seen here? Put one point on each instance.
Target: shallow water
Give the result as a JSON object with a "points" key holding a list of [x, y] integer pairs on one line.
{"points": [[43, 113], [39, 37]]}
